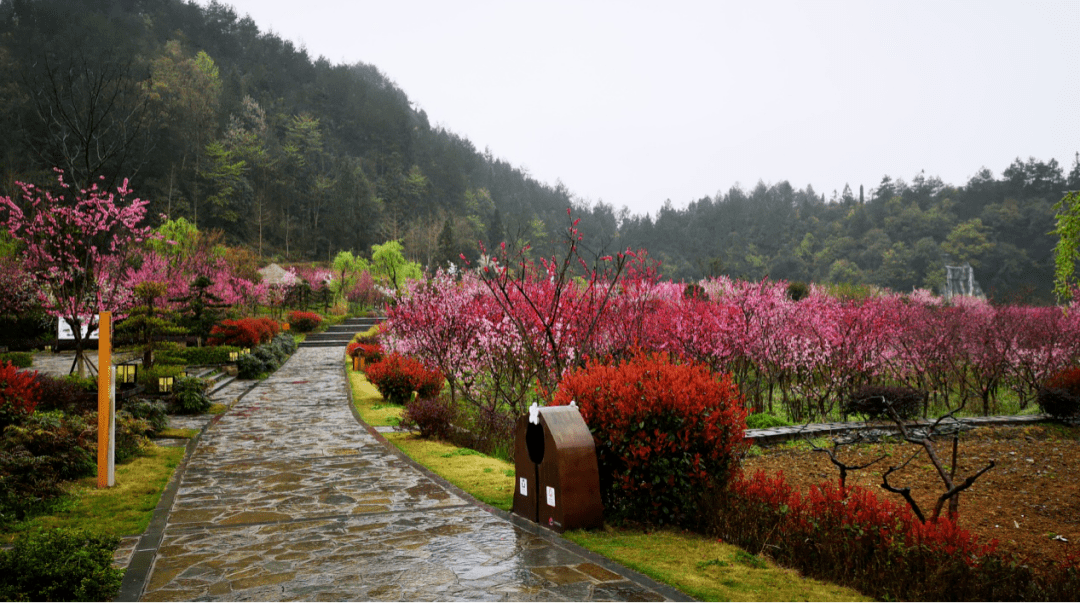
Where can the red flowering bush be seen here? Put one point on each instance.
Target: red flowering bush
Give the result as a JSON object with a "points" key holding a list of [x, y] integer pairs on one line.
{"points": [[370, 352], [851, 537], [397, 377], [667, 434], [246, 332], [1060, 396], [304, 322], [18, 394]]}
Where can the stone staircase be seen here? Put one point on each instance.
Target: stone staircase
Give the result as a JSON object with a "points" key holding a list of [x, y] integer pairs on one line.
{"points": [[340, 334]]}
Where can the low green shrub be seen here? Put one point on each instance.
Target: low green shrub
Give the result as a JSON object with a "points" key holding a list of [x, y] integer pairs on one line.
{"points": [[206, 355], [36, 456], [154, 412], [132, 435], [148, 377], [266, 358], [763, 420], [19, 359], [189, 397], [60, 565]]}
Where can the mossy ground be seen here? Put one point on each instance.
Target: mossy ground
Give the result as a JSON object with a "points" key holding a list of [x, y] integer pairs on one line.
{"points": [[707, 569], [489, 479], [369, 403]]}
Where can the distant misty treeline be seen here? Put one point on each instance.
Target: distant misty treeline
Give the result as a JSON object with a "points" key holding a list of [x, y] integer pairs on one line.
{"points": [[238, 130], [899, 235]]}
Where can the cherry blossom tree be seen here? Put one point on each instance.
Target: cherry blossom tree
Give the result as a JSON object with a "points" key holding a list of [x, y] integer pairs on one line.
{"points": [[78, 247]]}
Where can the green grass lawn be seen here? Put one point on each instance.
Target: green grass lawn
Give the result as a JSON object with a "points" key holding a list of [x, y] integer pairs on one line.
{"points": [[122, 510]]}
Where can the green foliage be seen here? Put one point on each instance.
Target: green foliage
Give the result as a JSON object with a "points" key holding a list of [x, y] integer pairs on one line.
{"points": [[154, 412], [60, 565], [148, 377], [763, 420], [266, 358], [19, 359], [189, 396], [1067, 251], [207, 355], [389, 265], [37, 455]]}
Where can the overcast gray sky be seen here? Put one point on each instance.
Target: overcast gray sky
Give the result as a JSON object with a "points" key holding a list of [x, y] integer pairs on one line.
{"points": [[633, 103]]}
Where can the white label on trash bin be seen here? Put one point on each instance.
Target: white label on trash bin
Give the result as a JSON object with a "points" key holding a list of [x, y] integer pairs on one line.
{"points": [[551, 496], [523, 486]]}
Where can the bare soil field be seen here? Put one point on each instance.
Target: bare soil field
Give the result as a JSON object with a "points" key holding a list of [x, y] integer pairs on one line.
{"points": [[1029, 502]]}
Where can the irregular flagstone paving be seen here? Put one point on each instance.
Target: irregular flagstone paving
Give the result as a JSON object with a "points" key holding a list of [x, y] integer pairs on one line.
{"points": [[287, 497]]}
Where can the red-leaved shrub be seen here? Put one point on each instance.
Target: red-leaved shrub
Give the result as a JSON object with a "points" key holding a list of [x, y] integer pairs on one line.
{"points": [[668, 434], [304, 322], [851, 537], [432, 417], [397, 377], [1060, 396], [246, 332], [18, 393]]}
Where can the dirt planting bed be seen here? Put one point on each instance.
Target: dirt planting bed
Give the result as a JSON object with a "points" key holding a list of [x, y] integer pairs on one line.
{"points": [[1029, 502]]}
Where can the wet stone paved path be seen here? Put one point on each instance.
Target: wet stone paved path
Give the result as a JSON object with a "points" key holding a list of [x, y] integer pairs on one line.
{"points": [[288, 497]]}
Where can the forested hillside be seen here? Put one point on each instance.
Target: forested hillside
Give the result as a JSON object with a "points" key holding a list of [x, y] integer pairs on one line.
{"points": [[297, 158], [236, 129], [898, 235]]}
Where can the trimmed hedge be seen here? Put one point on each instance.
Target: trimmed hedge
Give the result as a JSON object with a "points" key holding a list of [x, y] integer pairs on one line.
{"points": [[19, 359]]}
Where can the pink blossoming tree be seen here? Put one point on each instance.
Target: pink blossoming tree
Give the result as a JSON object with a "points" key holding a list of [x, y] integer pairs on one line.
{"points": [[77, 250]]}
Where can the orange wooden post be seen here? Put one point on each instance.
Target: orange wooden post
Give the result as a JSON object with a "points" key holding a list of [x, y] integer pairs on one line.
{"points": [[106, 476]]}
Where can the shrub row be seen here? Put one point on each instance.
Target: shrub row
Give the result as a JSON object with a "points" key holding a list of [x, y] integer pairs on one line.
{"points": [[245, 332], [850, 537], [266, 358], [19, 359], [196, 355], [397, 377], [668, 434]]}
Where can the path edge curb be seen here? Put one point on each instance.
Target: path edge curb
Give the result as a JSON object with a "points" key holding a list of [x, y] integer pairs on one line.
{"points": [[137, 573], [670, 592]]}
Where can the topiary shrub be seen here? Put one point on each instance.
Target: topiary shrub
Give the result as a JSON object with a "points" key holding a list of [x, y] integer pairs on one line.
{"points": [[1059, 397], [432, 417], [763, 420], [304, 322], [667, 434], [397, 377], [60, 565], [18, 394], [872, 402], [189, 396]]}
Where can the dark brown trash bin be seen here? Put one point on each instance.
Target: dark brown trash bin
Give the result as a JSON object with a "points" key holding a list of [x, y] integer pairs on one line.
{"points": [[558, 482]]}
